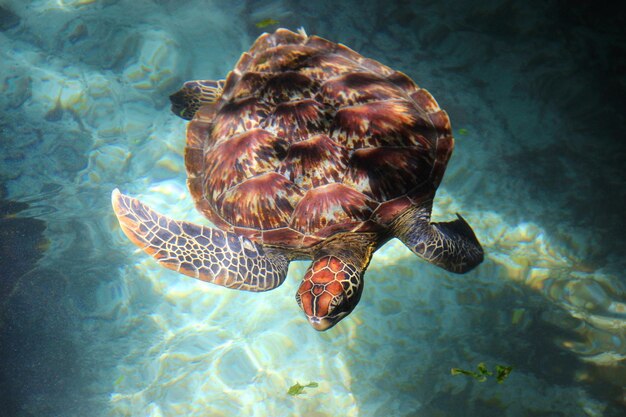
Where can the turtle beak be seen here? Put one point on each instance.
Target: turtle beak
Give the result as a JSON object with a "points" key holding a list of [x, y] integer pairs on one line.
{"points": [[321, 324]]}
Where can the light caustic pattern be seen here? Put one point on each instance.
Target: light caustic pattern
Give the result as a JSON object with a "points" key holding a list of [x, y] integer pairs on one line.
{"points": [[187, 348]]}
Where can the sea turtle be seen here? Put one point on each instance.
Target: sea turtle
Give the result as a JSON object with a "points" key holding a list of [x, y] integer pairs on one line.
{"points": [[307, 150]]}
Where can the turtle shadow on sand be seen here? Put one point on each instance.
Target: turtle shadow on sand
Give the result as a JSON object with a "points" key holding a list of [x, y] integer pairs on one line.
{"points": [[22, 244], [39, 354], [589, 205]]}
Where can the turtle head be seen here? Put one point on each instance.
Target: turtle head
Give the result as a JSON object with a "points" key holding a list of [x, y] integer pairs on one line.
{"points": [[330, 290]]}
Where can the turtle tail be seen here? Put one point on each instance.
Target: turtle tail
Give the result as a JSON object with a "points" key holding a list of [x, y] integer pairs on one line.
{"points": [[193, 95]]}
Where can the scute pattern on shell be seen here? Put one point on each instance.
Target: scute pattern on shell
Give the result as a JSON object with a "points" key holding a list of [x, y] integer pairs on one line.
{"points": [[309, 139]]}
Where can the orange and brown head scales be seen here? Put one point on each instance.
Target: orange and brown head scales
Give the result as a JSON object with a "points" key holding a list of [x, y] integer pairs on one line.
{"points": [[307, 150]]}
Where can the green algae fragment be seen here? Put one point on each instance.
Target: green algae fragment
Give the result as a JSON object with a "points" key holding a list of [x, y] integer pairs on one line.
{"points": [[502, 372], [298, 389], [518, 314], [463, 131], [265, 23], [477, 376]]}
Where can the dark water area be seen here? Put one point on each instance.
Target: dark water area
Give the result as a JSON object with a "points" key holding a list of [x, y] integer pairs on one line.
{"points": [[536, 92]]}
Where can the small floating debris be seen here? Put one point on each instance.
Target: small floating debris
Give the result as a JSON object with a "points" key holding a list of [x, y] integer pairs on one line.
{"points": [[463, 131], [119, 380], [518, 315], [298, 389], [265, 23], [501, 373]]}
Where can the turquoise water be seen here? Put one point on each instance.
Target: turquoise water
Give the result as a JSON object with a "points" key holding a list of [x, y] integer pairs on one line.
{"points": [[89, 326]]}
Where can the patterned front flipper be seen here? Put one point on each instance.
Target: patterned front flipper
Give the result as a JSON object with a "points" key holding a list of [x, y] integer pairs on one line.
{"points": [[200, 252]]}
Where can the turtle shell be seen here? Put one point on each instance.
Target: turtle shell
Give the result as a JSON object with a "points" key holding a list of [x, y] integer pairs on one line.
{"points": [[310, 139]]}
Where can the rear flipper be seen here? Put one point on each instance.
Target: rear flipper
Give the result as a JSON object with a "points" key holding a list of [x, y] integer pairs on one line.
{"points": [[195, 94], [450, 245]]}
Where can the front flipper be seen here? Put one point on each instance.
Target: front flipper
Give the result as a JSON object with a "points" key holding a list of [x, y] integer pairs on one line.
{"points": [[451, 245], [195, 94], [200, 252]]}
